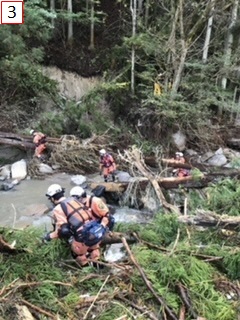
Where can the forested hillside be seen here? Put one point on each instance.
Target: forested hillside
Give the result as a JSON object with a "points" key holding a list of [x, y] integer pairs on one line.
{"points": [[159, 68], [164, 64]]}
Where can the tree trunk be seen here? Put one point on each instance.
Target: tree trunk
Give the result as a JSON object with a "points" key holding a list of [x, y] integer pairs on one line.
{"points": [[147, 5], [208, 34], [229, 41], [70, 22], [139, 7], [91, 47], [211, 219], [186, 41], [171, 44], [184, 50], [52, 9], [133, 8]]}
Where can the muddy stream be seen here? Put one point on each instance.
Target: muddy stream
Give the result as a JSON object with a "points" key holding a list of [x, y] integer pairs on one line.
{"points": [[26, 204]]}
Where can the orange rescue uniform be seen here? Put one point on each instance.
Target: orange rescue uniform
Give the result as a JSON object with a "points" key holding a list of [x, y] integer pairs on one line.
{"points": [[107, 164], [39, 139], [98, 212], [181, 172]]}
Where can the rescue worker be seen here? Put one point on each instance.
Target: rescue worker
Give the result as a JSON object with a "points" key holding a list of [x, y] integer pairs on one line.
{"points": [[107, 165], [70, 218], [40, 140], [180, 172], [96, 204]]}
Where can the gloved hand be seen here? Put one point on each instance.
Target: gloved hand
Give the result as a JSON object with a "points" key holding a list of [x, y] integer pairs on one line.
{"points": [[46, 238]]}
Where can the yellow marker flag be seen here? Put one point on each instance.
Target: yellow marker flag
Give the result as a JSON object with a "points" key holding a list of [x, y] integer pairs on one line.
{"points": [[157, 89]]}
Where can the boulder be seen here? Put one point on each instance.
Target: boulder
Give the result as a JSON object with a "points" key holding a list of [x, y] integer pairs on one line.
{"points": [[78, 179], [217, 160], [9, 185], [44, 168], [19, 170], [123, 176], [5, 171]]}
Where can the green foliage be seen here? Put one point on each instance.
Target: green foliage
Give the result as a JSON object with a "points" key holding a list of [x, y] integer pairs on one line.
{"points": [[165, 268], [166, 271], [231, 263], [196, 174], [21, 54], [222, 197], [163, 231], [235, 163]]}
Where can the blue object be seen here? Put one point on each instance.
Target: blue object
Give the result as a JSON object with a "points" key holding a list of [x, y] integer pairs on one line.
{"points": [[92, 233]]}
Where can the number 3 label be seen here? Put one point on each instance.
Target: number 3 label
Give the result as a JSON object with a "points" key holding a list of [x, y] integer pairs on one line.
{"points": [[12, 12]]}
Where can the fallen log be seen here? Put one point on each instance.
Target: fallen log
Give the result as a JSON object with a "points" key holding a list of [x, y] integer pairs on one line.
{"points": [[176, 164], [10, 138], [116, 237], [135, 159], [5, 247], [233, 143], [166, 309], [211, 219], [166, 183], [21, 144]]}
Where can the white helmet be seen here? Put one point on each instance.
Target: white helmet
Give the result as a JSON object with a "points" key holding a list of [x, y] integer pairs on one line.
{"points": [[180, 154], [31, 131], [102, 152], [77, 191], [54, 189]]}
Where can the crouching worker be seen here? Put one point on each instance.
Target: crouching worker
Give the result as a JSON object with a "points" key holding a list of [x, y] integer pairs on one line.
{"points": [[74, 221], [100, 215]]}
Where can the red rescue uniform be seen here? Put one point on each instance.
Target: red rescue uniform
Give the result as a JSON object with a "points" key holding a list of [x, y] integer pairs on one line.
{"points": [[40, 140], [107, 164]]}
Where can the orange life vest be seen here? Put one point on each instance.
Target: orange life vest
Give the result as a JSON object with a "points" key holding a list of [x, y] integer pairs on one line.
{"points": [[76, 213]]}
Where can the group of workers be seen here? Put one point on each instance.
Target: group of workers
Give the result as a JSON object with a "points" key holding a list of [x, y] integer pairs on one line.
{"points": [[81, 219], [107, 165]]}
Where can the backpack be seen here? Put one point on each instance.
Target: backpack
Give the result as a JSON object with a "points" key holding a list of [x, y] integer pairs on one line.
{"points": [[99, 191], [92, 233], [111, 222]]}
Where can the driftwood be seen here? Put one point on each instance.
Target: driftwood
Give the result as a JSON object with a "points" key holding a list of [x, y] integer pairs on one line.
{"points": [[109, 238], [135, 159], [211, 219], [176, 164], [143, 310], [21, 144], [116, 237], [21, 141], [165, 183], [183, 291], [18, 137], [207, 169], [9, 248], [233, 143], [170, 313]]}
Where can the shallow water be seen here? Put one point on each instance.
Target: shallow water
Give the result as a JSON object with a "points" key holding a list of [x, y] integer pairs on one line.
{"points": [[24, 205]]}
